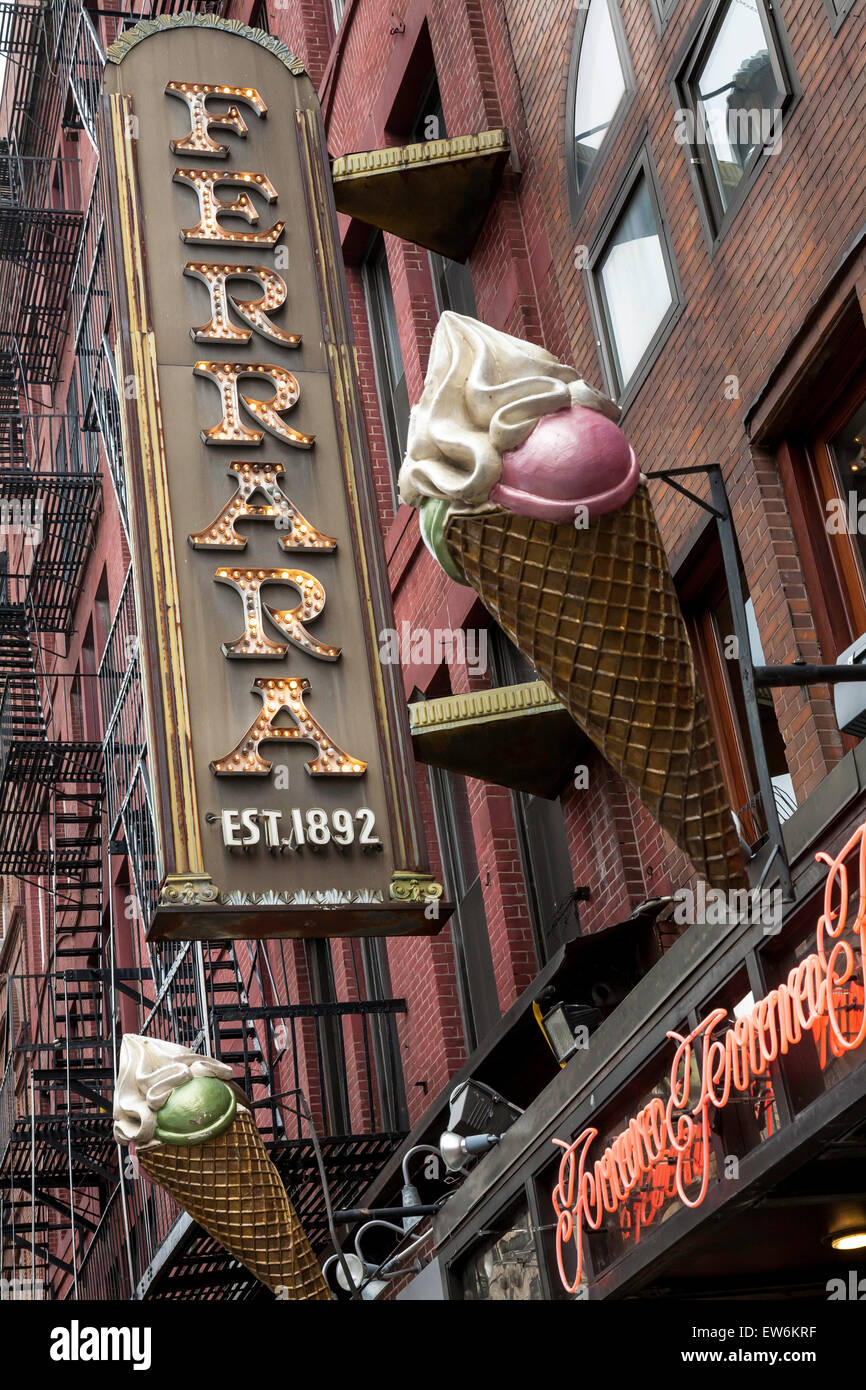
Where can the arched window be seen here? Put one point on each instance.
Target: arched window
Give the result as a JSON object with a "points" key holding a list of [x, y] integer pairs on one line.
{"points": [[600, 85]]}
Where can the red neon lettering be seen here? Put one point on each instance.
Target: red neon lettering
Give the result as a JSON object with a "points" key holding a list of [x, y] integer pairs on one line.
{"points": [[664, 1149]]}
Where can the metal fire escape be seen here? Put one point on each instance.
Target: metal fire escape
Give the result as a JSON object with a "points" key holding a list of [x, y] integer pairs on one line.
{"points": [[70, 1207]]}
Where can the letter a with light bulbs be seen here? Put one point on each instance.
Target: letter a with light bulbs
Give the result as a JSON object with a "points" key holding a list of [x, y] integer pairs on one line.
{"points": [[278, 760]]}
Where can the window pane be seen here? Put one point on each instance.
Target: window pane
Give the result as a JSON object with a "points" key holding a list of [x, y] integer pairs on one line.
{"points": [[393, 392], [736, 94], [634, 283], [848, 451], [600, 86], [752, 815], [452, 283], [388, 317], [505, 1268], [476, 981]]}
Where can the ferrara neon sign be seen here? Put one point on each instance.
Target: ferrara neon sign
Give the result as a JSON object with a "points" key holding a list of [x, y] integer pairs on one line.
{"points": [[666, 1144]]}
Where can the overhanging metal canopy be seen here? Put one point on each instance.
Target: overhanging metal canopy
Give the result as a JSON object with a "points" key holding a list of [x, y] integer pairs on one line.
{"points": [[517, 736], [436, 193]]}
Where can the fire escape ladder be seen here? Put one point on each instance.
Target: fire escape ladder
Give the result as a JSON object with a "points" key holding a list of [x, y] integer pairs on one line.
{"points": [[236, 1040]]}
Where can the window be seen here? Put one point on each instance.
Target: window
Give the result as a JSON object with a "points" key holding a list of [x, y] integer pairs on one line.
{"points": [[662, 11], [822, 468], [600, 83], [390, 372], [329, 1038], [846, 455], [259, 16], [385, 1040], [836, 12], [707, 607], [452, 282], [541, 836], [505, 1267], [338, 8], [476, 982], [736, 87], [633, 289]]}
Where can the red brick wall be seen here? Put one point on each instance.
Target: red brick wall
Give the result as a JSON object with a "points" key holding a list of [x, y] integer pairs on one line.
{"points": [[507, 64]]}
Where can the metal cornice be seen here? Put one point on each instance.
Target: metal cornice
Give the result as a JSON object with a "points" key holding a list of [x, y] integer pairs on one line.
{"points": [[426, 152], [530, 697]]}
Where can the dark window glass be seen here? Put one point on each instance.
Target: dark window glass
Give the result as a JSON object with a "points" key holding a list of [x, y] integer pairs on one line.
{"points": [[259, 16], [655, 1197], [391, 373], [847, 450], [476, 982], [542, 841], [774, 746], [452, 281], [818, 1062], [386, 1045], [505, 1267], [329, 1038]]}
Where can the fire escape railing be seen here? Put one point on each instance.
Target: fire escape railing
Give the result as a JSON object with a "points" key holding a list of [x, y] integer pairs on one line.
{"points": [[90, 309], [40, 222], [50, 786], [94, 1228]]}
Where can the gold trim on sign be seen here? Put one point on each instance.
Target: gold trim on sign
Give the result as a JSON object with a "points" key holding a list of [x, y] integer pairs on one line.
{"points": [[171, 676], [340, 363], [117, 51]]}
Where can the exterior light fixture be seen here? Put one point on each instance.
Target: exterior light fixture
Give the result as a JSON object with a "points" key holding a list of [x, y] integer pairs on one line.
{"points": [[360, 1272], [477, 1109], [458, 1150], [562, 1026], [850, 1238]]}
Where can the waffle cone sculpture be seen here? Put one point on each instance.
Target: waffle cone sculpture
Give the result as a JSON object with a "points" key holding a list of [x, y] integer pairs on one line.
{"points": [[530, 493], [205, 1149]]}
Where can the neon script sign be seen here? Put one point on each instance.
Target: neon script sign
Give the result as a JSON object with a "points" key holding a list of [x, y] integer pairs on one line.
{"points": [[814, 999]]}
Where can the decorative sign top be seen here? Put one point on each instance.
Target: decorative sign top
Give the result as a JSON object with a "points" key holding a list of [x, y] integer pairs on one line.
{"points": [[265, 669], [823, 997]]}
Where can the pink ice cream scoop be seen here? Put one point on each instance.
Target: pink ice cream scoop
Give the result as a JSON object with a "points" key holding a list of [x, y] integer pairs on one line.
{"points": [[575, 457]]}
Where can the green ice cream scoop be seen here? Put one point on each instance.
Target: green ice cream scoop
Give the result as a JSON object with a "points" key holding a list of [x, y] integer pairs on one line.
{"points": [[198, 1110], [432, 517]]}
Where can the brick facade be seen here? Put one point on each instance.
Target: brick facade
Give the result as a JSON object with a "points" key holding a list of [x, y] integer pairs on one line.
{"points": [[507, 64]]}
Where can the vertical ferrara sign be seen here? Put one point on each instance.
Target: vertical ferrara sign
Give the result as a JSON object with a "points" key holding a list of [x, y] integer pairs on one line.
{"points": [[277, 750]]}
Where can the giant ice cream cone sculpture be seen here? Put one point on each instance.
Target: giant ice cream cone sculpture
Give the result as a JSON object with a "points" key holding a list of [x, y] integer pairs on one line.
{"points": [[529, 492], [193, 1136]]}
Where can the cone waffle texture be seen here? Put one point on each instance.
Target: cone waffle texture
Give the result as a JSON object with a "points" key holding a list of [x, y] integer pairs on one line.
{"points": [[596, 612], [231, 1188]]}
